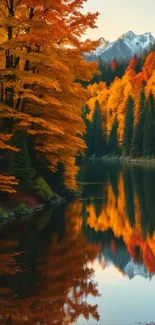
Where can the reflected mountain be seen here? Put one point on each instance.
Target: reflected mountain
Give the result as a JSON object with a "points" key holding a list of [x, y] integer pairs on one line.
{"points": [[132, 269], [48, 263], [119, 214]]}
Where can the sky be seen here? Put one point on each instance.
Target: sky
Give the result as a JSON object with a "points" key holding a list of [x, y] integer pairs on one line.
{"points": [[119, 16], [119, 295]]}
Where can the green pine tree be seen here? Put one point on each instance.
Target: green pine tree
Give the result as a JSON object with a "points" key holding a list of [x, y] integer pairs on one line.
{"points": [[149, 135], [151, 103], [99, 146], [128, 129], [88, 136], [113, 146], [21, 161], [137, 139]]}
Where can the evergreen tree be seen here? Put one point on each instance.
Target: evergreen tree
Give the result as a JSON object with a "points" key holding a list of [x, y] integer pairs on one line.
{"points": [[139, 64], [113, 146], [149, 135], [107, 73], [137, 139], [151, 103], [88, 136], [128, 130], [99, 146], [21, 162], [90, 139]]}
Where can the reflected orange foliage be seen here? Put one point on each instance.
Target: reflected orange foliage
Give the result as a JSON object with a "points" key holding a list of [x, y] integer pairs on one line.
{"points": [[113, 216], [64, 280], [113, 246]]}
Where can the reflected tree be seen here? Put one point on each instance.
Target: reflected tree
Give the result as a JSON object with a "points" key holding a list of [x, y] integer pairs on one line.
{"points": [[64, 280], [129, 195], [125, 225]]}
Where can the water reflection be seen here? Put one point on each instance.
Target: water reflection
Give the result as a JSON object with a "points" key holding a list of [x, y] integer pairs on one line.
{"points": [[56, 274], [9, 267], [122, 217], [49, 265]]}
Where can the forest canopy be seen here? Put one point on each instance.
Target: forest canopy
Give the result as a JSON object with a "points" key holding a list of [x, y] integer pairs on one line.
{"points": [[124, 108]]}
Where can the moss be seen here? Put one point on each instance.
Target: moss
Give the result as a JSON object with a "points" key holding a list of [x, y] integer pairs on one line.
{"points": [[23, 209], [3, 214], [42, 189]]}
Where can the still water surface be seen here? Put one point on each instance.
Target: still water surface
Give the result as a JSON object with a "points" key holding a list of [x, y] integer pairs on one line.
{"points": [[91, 261]]}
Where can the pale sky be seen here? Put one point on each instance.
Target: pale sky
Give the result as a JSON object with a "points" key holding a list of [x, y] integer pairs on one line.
{"points": [[120, 16]]}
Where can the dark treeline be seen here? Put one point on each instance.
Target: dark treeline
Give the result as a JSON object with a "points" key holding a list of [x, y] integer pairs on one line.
{"points": [[139, 140], [109, 70]]}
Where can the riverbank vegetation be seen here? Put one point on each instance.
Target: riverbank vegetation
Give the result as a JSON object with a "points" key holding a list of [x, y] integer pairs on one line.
{"points": [[55, 106], [41, 95]]}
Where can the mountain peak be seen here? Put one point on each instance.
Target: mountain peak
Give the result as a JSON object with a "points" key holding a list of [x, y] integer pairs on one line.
{"points": [[148, 33], [124, 47], [130, 33], [102, 46]]}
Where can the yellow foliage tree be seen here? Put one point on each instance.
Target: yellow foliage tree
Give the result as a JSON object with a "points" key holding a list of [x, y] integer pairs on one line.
{"points": [[113, 99]]}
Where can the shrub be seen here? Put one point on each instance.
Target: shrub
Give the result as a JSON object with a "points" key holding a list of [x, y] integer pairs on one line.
{"points": [[42, 189], [3, 214], [22, 208]]}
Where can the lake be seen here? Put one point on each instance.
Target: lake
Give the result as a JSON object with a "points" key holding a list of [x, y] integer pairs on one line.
{"points": [[91, 261]]}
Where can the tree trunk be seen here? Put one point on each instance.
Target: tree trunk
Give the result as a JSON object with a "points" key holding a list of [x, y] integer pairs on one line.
{"points": [[9, 32], [2, 92]]}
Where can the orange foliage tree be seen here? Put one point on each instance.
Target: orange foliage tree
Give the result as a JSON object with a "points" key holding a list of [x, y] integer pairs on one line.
{"points": [[7, 183], [41, 61]]}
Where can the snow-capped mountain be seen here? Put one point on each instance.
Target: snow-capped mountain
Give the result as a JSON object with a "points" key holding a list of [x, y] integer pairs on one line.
{"points": [[132, 269], [124, 47], [124, 262], [102, 46]]}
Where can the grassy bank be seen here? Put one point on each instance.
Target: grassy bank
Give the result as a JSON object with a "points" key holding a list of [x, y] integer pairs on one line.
{"points": [[24, 204]]}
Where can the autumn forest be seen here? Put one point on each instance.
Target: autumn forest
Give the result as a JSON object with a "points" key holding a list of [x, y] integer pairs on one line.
{"points": [[41, 94], [77, 158], [120, 109], [55, 106]]}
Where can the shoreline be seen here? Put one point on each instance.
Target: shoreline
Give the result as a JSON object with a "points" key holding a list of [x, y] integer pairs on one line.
{"points": [[127, 160], [13, 215]]}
